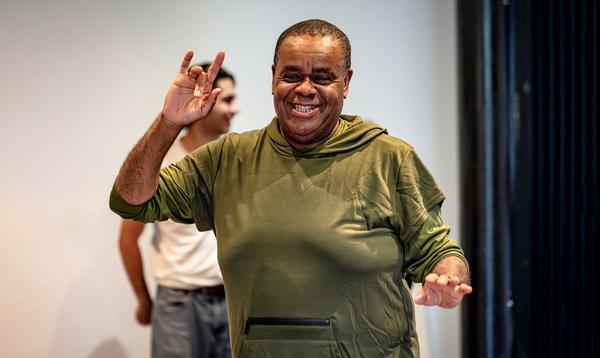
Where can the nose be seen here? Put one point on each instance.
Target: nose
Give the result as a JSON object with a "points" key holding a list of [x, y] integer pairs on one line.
{"points": [[306, 87], [234, 108]]}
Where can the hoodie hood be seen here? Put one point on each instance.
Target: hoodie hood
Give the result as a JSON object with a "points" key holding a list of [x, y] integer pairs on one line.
{"points": [[351, 133]]}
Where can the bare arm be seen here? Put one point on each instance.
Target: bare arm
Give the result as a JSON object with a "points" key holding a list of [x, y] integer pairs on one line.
{"points": [[446, 285], [190, 98], [138, 178], [132, 260]]}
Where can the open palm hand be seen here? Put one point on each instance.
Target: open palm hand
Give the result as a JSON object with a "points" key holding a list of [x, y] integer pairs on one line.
{"points": [[444, 291]]}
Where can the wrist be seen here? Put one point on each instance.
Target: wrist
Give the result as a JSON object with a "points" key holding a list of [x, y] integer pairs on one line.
{"points": [[169, 124], [143, 297], [453, 265]]}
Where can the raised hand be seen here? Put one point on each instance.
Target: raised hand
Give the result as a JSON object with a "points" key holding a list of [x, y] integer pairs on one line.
{"points": [[191, 96], [442, 290]]}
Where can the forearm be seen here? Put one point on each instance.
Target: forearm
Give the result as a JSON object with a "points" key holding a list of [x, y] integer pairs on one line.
{"points": [[138, 178], [134, 267], [132, 258], [453, 266]]}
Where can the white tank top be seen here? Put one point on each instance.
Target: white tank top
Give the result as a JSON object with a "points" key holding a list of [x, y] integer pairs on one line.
{"points": [[181, 256]]}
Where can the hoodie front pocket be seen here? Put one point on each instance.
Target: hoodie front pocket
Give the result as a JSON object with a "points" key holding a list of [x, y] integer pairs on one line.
{"points": [[289, 338]]}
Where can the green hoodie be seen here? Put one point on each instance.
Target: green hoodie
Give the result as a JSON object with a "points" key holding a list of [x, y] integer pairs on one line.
{"points": [[314, 246]]}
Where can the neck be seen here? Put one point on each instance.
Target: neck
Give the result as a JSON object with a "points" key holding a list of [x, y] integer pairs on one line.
{"points": [[303, 147], [196, 137]]}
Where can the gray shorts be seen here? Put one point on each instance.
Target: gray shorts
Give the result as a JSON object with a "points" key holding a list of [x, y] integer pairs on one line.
{"points": [[189, 324]]}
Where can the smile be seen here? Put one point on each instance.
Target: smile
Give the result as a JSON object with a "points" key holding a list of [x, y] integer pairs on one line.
{"points": [[303, 108]]}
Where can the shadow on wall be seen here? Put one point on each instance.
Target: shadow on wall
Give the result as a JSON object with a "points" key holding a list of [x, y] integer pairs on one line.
{"points": [[95, 318], [109, 348]]}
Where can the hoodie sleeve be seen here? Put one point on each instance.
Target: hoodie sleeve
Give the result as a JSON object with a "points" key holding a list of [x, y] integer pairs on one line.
{"points": [[416, 193], [170, 201], [429, 246], [184, 192], [417, 221]]}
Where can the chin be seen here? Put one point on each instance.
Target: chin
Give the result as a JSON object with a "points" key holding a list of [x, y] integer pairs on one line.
{"points": [[226, 127]]}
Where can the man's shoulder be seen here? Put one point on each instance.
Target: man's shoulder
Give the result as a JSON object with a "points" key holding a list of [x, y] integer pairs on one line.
{"points": [[389, 143], [252, 134], [382, 140], [243, 140]]}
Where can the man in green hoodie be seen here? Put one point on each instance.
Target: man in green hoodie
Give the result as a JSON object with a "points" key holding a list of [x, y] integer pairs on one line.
{"points": [[319, 217]]}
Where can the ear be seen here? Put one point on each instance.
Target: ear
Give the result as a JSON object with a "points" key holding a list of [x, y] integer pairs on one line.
{"points": [[347, 79], [272, 78]]}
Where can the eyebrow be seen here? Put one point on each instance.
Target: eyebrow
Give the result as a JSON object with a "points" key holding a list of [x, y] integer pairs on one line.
{"points": [[293, 68], [322, 70]]}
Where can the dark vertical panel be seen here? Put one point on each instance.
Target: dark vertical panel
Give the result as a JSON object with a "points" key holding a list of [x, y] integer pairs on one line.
{"points": [[477, 311], [582, 152], [485, 79], [557, 42], [571, 176], [526, 191], [557, 150], [593, 178], [530, 176], [506, 128]]}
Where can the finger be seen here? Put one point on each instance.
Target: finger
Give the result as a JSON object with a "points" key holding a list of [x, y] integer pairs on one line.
{"points": [[442, 281], [212, 99], [213, 70], [185, 63], [464, 289], [453, 280], [194, 71], [431, 298], [206, 103], [431, 278], [421, 297], [200, 81]]}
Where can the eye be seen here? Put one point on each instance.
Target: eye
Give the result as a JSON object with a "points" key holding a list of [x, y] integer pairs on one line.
{"points": [[321, 79], [291, 77]]}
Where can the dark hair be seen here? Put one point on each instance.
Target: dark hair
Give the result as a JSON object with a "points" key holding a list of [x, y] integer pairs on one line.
{"points": [[223, 73], [315, 27]]}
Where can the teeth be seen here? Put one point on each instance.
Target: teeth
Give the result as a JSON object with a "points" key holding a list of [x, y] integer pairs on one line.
{"points": [[301, 108]]}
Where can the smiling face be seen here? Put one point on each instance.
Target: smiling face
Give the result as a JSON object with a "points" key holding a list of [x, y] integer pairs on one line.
{"points": [[310, 81]]}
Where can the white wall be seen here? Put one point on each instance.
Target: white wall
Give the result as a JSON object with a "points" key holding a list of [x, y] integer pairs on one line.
{"points": [[81, 81]]}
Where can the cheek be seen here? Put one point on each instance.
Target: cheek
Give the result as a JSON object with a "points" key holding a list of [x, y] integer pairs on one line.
{"points": [[221, 107], [281, 91], [334, 96]]}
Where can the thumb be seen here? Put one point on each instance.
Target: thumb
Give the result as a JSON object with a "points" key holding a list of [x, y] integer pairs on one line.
{"points": [[421, 296], [213, 95], [210, 101]]}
